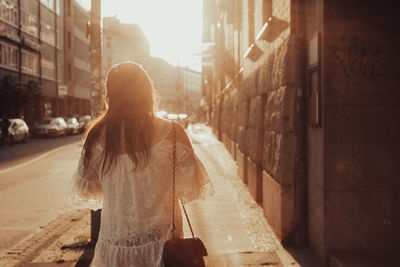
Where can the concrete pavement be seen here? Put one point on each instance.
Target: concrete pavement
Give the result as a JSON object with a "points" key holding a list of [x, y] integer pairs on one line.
{"points": [[34, 191]]}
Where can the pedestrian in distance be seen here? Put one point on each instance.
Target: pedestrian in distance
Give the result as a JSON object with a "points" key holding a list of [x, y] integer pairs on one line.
{"points": [[126, 166]]}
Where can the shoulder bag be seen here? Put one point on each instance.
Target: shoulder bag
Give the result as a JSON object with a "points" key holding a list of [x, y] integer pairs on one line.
{"points": [[183, 252]]}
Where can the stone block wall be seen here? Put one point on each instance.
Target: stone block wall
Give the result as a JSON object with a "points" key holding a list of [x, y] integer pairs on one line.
{"points": [[243, 111], [265, 105]]}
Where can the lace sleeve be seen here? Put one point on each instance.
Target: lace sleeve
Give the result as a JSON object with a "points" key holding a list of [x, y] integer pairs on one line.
{"points": [[87, 185], [192, 180]]}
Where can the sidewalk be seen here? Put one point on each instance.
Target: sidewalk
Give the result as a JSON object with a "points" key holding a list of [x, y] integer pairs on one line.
{"points": [[230, 223]]}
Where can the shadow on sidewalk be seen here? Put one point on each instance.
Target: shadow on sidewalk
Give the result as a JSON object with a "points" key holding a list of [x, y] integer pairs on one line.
{"points": [[86, 258], [303, 256]]}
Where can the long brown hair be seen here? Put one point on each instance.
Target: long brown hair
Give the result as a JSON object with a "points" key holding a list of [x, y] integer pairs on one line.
{"points": [[129, 108]]}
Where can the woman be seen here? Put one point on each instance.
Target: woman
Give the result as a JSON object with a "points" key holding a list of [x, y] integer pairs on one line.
{"points": [[126, 162]]}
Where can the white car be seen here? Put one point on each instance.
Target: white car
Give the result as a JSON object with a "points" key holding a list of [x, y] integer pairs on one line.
{"points": [[51, 127], [83, 122], [18, 131], [72, 126]]}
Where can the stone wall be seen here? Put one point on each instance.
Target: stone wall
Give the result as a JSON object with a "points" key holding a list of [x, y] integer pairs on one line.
{"points": [[343, 170], [263, 128]]}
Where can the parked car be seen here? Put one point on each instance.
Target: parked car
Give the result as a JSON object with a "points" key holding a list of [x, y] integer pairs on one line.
{"points": [[181, 118], [18, 131], [72, 126], [51, 127], [83, 122]]}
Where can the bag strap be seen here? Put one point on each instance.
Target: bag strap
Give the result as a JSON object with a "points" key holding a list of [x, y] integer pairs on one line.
{"points": [[173, 188]]}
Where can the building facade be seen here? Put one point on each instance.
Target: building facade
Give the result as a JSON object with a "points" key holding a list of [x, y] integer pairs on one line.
{"points": [[122, 42], [304, 95], [34, 67], [167, 83], [191, 87], [81, 66]]}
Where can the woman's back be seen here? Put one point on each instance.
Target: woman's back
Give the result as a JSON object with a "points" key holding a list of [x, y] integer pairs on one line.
{"points": [[137, 202]]}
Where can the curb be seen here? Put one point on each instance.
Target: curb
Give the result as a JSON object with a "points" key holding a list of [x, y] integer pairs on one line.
{"points": [[24, 252]]}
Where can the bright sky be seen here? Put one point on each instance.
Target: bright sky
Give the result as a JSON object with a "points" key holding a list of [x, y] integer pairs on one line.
{"points": [[173, 27]]}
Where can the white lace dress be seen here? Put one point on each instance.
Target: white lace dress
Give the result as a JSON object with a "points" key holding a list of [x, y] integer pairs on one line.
{"points": [[137, 205]]}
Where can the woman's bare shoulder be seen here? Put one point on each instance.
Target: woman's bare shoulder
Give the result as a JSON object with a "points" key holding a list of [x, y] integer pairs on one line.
{"points": [[160, 126], [181, 135], [160, 122]]}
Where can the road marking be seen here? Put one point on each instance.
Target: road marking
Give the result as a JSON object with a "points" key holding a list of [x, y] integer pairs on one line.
{"points": [[35, 159]]}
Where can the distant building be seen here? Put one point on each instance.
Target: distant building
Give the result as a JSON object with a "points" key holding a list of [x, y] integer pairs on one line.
{"points": [[167, 83], [191, 87], [122, 42], [127, 42], [177, 89], [37, 62]]}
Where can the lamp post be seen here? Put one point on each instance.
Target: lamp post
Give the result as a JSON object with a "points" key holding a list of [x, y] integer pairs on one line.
{"points": [[94, 31], [96, 92]]}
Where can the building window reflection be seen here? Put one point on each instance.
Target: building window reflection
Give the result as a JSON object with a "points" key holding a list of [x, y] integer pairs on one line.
{"points": [[58, 7], [47, 33], [29, 23], [29, 62], [48, 3], [8, 55], [9, 11], [48, 62]]}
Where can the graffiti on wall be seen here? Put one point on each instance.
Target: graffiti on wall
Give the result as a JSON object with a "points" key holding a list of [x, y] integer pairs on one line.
{"points": [[361, 70], [360, 57]]}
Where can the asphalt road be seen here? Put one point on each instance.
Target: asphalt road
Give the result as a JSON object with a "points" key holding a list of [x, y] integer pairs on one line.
{"points": [[34, 182]]}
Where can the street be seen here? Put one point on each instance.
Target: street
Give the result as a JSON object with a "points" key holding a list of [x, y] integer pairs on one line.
{"points": [[34, 178]]}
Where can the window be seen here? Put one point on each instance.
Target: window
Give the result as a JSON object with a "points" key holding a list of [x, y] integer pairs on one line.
{"points": [[48, 62], [48, 3], [8, 55], [81, 78], [58, 7], [47, 34], [9, 11], [29, 23], [47, 112], [48, 68], [81, 49], [29, 62]]}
